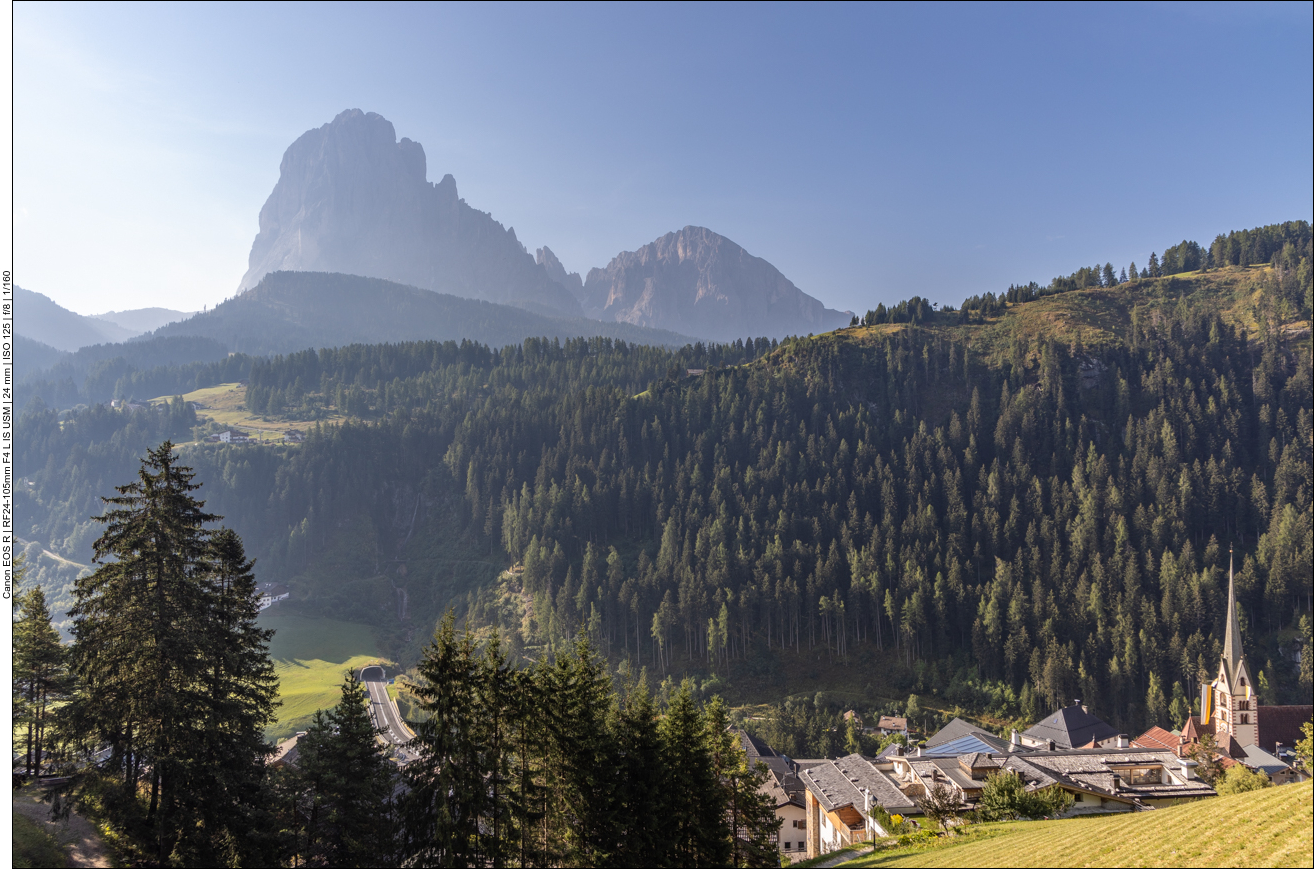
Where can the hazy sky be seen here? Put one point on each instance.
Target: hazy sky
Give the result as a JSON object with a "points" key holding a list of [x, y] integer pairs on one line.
{"points": [[869, 152]]}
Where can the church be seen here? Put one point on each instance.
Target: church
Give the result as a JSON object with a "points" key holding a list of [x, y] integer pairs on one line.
{"points": [[1229, 706]]}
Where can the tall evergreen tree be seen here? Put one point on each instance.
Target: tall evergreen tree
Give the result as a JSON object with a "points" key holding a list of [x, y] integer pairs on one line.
{"points": [[345, 780], [158, 628], [447, 787], [41, 675]]}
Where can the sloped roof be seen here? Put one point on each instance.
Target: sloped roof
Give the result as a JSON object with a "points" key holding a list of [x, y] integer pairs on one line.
{"points": [[984, 743], [957, 729], [1070, 727], [754, 747], [839, 783], [1157, 737], [1257, 758], [1282, 724]]}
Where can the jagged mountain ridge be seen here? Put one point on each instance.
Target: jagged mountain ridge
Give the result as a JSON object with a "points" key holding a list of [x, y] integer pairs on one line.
{"points": [[352, 199], [702, 283]]}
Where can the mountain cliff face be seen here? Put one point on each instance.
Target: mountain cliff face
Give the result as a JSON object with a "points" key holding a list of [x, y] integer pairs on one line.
{"points": [[557, 272], [700, 283], [350, 198]]}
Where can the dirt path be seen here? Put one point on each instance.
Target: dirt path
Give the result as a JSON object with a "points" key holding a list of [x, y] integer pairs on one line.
{"points": [[844, 857], [77, 836]]}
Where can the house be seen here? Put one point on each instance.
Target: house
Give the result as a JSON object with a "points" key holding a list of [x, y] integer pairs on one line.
{"points": [[293, 436], [271, 593], [784, 789], [962, 737], [1070, 727], [1100, 780], [840, 795], [285, 754], [888, 724], [1230, 710]]}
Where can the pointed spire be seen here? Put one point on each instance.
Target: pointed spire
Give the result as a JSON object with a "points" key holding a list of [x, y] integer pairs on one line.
{"points": [[1232, 653]]}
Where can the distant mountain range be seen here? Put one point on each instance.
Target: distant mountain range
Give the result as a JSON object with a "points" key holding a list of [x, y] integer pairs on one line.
{"points": [[352, 199], [38, 318]]}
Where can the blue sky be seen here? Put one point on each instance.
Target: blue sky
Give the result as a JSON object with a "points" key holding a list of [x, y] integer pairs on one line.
{"points": [[869, 152]]}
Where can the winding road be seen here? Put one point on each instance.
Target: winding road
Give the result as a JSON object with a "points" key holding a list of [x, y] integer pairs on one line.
{"points": [[383, 708]]}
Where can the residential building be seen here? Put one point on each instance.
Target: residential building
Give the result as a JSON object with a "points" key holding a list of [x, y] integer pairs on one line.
{"points": [[839, 796], [785, 789], [271, 593], [962, 737], [1070, 727], [1100, 780], [888, 724]]}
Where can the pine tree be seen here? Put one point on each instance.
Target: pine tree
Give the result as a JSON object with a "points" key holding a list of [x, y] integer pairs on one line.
{"points": [[750, 813], [41, 676], [696, 829], [640, 794], [447, 791], [158, 629], [346, 781]]}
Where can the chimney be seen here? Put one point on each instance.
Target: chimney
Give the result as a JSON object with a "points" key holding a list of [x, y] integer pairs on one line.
{"points": [[1124, 741], [919, 751], [1014, 741], [1188, 769], [1049, 745], [1117, 782], [1084, 709]]}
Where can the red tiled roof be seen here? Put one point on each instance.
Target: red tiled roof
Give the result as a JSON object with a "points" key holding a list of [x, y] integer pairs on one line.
{"points": [[1157, 737], [1282, 724]]}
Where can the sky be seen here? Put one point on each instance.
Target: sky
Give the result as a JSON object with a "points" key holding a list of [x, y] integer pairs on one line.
{"points": [[871, 152]]}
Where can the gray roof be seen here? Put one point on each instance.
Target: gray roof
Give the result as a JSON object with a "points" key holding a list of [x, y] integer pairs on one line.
{"points": [[840, 783], [1257, 758], [957, 729], [1070, 727]]}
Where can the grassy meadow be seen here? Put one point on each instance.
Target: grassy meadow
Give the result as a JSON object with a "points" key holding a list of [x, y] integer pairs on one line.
{"points": [[310, 656], [1262, 828], [226, 405]]}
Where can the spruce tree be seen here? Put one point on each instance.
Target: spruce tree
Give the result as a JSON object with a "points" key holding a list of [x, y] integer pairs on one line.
{"points": [[346, 780], [447, 789], [41, 675], [160, 630]]}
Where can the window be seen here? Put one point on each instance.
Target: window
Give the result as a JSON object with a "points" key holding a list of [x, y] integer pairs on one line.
{"points": [[789, 846], [1245, 719]]}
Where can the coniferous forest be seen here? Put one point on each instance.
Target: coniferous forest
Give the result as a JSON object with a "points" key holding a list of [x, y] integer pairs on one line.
{"points": [[1027, 500]]}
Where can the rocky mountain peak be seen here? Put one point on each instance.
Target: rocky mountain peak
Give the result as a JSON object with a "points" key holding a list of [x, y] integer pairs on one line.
{"points": [[557, 272], [351, 198], [700, 283]]}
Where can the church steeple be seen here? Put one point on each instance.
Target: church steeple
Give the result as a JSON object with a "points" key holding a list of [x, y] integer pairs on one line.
{"points": [[1232, 653]]}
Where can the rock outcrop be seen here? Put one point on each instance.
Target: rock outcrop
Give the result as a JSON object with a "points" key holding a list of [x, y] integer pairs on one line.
{"points": [[557, 272], [700, 283], [352, 199]]}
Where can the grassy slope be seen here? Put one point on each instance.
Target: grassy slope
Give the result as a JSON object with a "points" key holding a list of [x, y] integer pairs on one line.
{"points": [[226, 405], [310, 656], [1264, 828], [33, 846]]}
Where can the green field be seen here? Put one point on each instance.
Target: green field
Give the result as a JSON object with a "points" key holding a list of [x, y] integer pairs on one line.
{"points": [[1263, 828], [226, 405], [310, 656]]}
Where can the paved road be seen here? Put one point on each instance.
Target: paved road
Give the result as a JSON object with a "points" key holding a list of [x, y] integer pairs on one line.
{"points": [[384, 709]]}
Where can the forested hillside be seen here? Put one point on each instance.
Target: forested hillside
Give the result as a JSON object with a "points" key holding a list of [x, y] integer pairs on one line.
{"points": [[1017, 507]]}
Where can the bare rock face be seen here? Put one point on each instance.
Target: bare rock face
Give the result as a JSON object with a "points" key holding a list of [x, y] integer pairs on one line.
{"points": [[700, 283], [557, 272], [350, 198]]}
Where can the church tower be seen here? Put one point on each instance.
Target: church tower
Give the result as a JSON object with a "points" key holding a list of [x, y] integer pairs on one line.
{"points": [[1231, 704]]}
